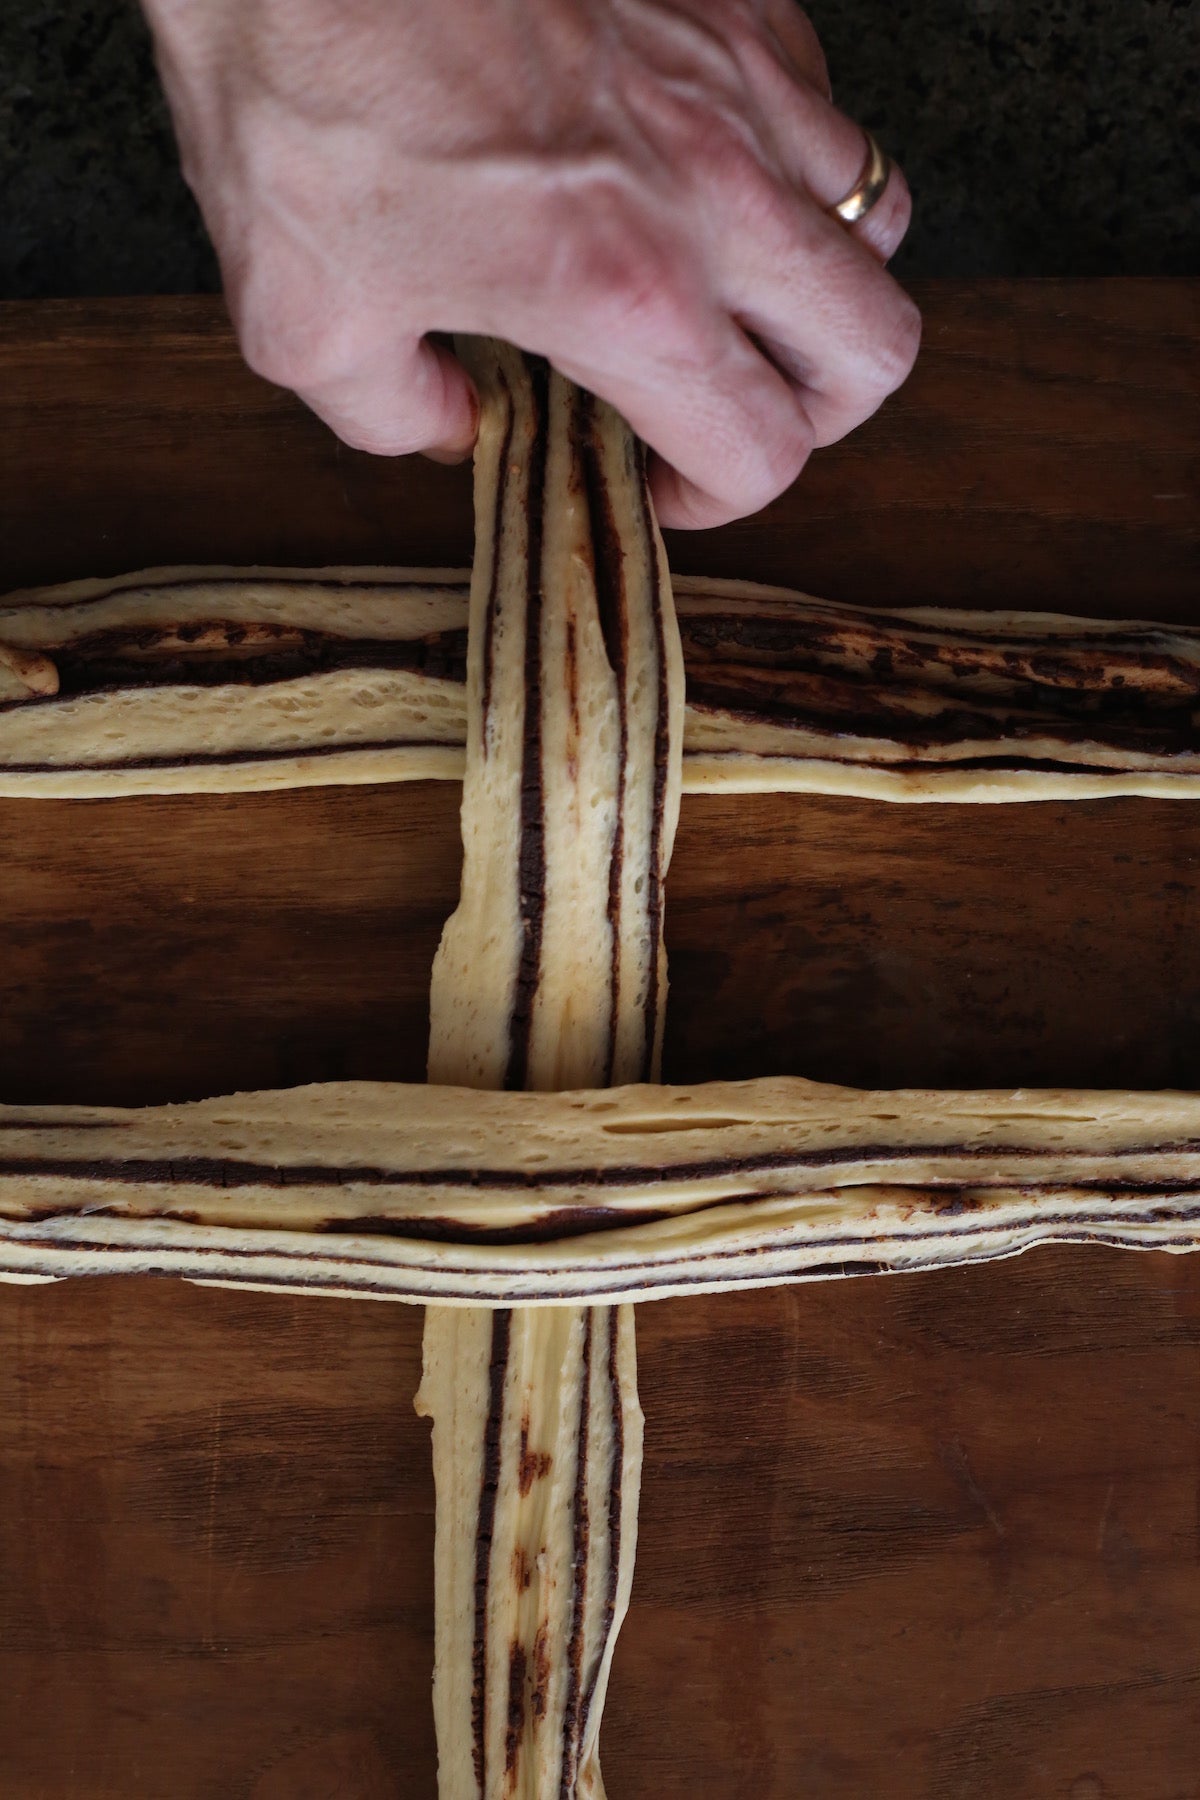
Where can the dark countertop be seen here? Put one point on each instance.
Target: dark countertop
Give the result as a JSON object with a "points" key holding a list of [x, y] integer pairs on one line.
{"points": [[1059, 138]]}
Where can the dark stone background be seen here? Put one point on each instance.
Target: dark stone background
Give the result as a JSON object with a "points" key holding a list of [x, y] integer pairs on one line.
{"points": [[1052, 138]]}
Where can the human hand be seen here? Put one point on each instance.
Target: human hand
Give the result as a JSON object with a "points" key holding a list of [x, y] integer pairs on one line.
{"points": [[634, 189]]}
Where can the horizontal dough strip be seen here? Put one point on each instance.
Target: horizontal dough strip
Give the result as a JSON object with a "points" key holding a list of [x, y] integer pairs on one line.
{"points": [[626, 1193], [192, 679]]}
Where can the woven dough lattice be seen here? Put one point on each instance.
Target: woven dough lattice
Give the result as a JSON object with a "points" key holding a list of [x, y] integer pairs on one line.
{"points": [[546, 1179]]}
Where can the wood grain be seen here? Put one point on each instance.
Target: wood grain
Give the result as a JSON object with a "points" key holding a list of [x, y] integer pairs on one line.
{"points": [[1044, 452], [942, 1532]]}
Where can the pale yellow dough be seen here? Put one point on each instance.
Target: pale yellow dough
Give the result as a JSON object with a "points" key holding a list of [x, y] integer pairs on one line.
{"points": [[381, 725], [689, 1189], [528, 1221], [550, 973]]}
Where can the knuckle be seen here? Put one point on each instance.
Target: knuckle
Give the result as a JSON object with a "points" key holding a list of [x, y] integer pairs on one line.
{"points": [[760, 204], [741, 29], [788, 458], [733, 170], [294, 348], [751, 456], [289, 354], [888, 229], [627, 280], [894, 349], [901, 208], [811, 52], [268, 356], [688, 508], [771, 464], [390, 415]]}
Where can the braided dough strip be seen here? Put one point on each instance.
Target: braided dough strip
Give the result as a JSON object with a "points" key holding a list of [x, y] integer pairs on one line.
{"points": [[551, 973], [461, 1196], [550, 976], [194, 679]]}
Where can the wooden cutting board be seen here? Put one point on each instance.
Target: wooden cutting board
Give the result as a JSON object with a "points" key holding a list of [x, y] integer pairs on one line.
{"points": [[931, 1536]]}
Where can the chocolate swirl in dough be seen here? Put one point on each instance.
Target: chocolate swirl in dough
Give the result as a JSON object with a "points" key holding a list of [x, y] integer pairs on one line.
{"points": [[550, 974], [630, 1193], [524, 1217], [191, 679]]}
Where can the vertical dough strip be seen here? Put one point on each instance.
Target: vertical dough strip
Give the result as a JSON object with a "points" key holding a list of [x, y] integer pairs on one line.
{"points": [[550, 974]]}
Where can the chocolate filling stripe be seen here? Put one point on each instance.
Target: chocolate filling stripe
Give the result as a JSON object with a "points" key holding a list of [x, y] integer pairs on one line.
{"points": [[229, 759], [314, 1283], [618, 1277], [581, 1541], [830, 627], [949, 1227], [933, 766], [531, 859], [367, 746], [565, 1223], [1119, 731], [498, 531], [108, 664], [93, 673], [1018, 764], [219, 1172], [1149, 643], [64, 1124], [790, 672], [824, 622], [578, 1221], [824, 1271], [615, 1489], [517, 1665], [312, 580], [485, 1526], [1141, 732]]}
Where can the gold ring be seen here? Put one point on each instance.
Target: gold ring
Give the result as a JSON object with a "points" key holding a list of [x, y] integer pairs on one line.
{"points": [[876, 172]]}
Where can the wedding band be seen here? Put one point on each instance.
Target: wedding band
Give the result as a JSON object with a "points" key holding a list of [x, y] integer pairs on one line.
{"points": [[868, 188]]}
